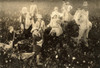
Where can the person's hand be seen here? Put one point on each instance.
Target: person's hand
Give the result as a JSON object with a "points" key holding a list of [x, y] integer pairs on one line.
{"points": [[48, 26]]}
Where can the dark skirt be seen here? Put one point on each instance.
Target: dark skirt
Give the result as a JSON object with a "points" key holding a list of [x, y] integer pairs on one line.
{"points": [[27, 32]]}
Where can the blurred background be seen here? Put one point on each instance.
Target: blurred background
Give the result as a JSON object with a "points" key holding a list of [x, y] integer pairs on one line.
{"points": [[46, 6]]}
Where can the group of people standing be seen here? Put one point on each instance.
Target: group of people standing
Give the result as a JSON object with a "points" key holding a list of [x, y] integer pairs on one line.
{"points": [[33, 24], [81, 17]]}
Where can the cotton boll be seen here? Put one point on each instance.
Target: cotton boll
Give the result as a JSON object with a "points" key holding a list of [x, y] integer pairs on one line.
{"points": [[84, 61], [6, 61], [73, 58], [69, 64], [67, 67], [68, 55], [56, 56], [77, 62]]}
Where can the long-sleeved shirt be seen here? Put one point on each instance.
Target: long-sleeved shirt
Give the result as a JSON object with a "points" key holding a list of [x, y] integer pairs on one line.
{"points": [[56, 27]]}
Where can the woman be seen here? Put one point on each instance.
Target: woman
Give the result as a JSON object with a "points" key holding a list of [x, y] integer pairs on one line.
{"points": [[84, 24], [33, 13], [55, 24], [26, 24]]}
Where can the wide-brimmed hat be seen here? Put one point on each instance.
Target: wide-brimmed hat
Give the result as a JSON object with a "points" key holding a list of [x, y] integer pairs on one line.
{"points": [[85, 3], [39, 16]]}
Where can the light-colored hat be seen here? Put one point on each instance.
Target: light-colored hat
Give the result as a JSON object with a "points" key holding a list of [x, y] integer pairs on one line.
{"points": [[24, 10], [85, 3], [39, 16], [55, 8], [53, 14]]}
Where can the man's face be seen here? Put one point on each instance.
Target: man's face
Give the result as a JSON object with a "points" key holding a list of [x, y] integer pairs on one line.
{"points": [[39, 19]]}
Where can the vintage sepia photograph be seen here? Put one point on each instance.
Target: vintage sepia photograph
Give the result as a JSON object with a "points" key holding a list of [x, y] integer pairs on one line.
{"points": [[49, 33]]}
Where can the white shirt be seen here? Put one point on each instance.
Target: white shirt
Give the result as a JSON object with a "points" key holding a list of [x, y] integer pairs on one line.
{"points": [[56, 27], [67, 8], [76, 15], [81, 17], [39, 25]]}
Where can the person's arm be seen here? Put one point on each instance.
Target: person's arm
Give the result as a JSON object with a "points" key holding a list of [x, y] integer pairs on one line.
{"points": [[75, 15], [34, 28], [87, 14], [21, 22], [70, 8], [43, 25]]}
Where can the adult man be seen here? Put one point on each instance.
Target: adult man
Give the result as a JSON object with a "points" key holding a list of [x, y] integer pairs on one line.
{"points": [[37, 33], [40, 24]]}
